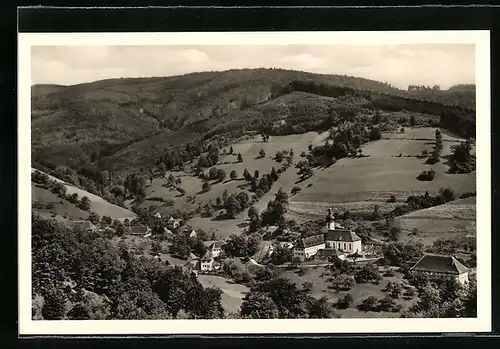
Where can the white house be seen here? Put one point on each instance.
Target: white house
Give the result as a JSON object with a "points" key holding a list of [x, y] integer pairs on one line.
{"points": [[309, 246], [208, 262], [434, 265], [193, 234], [215, 247], [343, 240]]}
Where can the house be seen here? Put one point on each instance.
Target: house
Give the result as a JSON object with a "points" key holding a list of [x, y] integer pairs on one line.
{"points": [[208, 262], [309, 246], [215, 247], [434, 265], [266, 250], [157, 215], [342, 239], [193, 234], [286, 244], [84, 226], [139, 230]]}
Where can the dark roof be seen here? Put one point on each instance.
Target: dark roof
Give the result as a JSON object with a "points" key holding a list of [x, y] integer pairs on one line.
{"points": [[138, 229], [439, 264], [329, 252], [213, 244], [208, 256], [341, 235], [83, 225], [311, 241]]}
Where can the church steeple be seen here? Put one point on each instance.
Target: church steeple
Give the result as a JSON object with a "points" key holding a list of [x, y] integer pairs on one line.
{"points": [[330, 220]]}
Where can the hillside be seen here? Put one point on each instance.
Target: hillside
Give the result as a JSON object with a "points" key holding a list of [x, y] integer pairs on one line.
{"points": [[76, 125], [63, 208]]}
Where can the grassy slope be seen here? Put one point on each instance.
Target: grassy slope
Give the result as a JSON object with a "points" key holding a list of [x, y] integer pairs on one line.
{"points": [[371, 180], [97, 204]]}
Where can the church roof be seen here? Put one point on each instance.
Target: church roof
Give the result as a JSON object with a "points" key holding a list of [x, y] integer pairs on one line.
{"points": [[439, 264], [311, 241], [341, 235]]}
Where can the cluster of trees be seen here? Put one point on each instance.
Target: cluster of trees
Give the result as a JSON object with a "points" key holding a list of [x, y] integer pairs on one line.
{"points": [[443, 297], [423, 87], [281, 298], [261, 184], [371, 303], [426, 200], [401, 254], [276, 209], [462, 161], [246, 274], [85, 276], [242, 246], [59, 189], [183, 245]]}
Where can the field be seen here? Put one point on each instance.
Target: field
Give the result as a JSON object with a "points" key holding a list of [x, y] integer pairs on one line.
{"points": [[232, 294], [97, 204], [358, 292], [454, 219], [359, 184]]}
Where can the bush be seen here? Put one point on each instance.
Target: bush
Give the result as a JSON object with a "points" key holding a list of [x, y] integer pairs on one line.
{"points": [[426, 175], [345, 302], [368, 304], [295, 190]]}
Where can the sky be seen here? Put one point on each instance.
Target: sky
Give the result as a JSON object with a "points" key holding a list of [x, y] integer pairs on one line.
{"points": [[399, 65]]}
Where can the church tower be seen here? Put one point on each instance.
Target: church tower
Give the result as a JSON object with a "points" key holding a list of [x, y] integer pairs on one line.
{"points": [[330, 220]]}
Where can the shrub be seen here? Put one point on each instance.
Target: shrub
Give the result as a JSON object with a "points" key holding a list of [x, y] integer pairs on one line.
{"points": [[426, 175], [368, 304], [295, 190], [345, 302]]}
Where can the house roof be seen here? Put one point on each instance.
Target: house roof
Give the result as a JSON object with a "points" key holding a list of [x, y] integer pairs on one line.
{"points": [[341, 235], [138, 229], [208, 256], [83, 225], [311, 241], [435, 263], [193, 256], [213, 244]]}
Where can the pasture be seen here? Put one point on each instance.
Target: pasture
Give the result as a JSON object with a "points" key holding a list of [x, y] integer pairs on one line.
{"points": [[97, 203], [359, 292], [369, 181], [232, 293]]}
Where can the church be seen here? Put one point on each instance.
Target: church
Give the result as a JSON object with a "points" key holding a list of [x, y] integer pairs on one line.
{"points": [[335, 241]]}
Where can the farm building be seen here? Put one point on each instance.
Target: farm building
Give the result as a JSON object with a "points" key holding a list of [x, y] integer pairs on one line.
{"points": [[439, 265], [215, 247], [309, 246], [84, 226]]}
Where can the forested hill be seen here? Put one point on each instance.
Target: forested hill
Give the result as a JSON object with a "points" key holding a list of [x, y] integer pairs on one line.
{"points": [[107, 120]]}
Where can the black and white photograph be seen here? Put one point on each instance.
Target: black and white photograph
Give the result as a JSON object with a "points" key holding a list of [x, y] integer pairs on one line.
{"points": [[270, 180]]}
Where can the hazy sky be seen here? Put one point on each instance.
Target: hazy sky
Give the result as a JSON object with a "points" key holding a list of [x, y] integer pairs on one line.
{"points": [[399, 65]]}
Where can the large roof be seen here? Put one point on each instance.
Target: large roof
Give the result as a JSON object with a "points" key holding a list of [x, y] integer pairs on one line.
{"points": [[435, 263], [213, 244], [341, 235], [311, 241]]}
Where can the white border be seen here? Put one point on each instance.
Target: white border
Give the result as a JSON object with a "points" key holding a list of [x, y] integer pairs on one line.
{"points": [[307, 326]]}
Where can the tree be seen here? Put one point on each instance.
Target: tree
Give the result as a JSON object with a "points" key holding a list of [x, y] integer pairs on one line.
{"points": [[221, 174], [367, 273], [321, 309], [84, 203], [274, 175], [231, 150], [240, 158], [368, 304], [206, 187], [212, 173], [413, 122], [236, 246], [259, 306], [281, 255], [253, 243], [345, 302], [54, 306], [253, 213], [232, 206], [262, 153], [247, 175], [233, 175], [354, 256], [256, 174], [278, 157], [295, 190]]}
